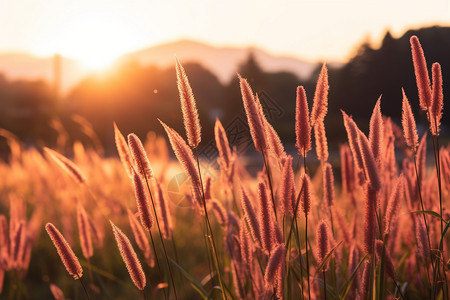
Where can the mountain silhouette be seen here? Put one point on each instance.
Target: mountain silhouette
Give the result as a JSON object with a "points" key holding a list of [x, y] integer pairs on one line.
{"points": [[222, 61]]}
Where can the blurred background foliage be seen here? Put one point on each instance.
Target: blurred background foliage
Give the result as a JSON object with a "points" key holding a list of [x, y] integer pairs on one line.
{"points": [[134, 96]]}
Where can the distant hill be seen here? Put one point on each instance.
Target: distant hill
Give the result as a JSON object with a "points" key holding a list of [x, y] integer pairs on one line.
{"points": [[222, 61]]}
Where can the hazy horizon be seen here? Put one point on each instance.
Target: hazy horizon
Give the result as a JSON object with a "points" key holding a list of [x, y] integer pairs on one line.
{"points": [[372, 40], [97, 32]]}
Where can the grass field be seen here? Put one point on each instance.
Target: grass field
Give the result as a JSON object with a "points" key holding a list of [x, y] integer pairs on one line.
{"points": [[371, 225]]}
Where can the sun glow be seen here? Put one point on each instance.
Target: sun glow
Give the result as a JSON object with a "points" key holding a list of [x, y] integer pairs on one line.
{"points": [[95, 41]]}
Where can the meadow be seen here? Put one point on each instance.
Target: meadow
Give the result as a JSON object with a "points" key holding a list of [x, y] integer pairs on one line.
{"points": [[371, 225]]}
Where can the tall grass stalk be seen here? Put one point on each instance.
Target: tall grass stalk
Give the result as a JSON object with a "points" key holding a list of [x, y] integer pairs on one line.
{"points": [[435, 141], [209, 228], [161, 239], [307, 256], [84, 289], [299, 255], [144, 169], [157, 261], [291, 229], [269, 179], [419, 190]]}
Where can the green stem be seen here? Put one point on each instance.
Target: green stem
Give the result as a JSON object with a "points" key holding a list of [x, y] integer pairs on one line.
{"points": [[307, 257], [142, 171], [436, 161], [299, 255], [217, 265], [423, 209], [84, 289], [161, 238], [157, 261]]}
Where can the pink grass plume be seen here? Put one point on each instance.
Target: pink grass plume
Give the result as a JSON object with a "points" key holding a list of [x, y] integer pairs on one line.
{"points": [[302, 124], [57, 292], [437, 96], [122, 149], [393, 204], [274, 143], [66, 254], [347, 169], [321, 141], [129, 256], [189, 108], [220, 213], [389, 160], [322, 238], [140, 159], [352, 135], [208, 187], [84, 231], [423, 248], [142, 202], [286, 186], [421, 72], [67, 165], [138, 232], [328, 184], [320, 101], [246, 244], [18, 243], [370, 166], [186, 158], [275, 266], [409, 124], [4, 243], [254, 117], [305, 197], [222, 143], [376, 132], [265, 217], [250, 215]]}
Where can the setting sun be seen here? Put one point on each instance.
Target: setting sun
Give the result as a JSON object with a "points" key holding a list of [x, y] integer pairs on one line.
{"points": [[95, 41]]}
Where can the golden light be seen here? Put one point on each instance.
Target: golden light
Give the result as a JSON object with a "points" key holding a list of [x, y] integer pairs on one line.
{"points": [[95, 41]]}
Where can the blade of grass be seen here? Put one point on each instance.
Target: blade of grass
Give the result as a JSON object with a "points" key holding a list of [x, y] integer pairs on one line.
{"points": [[345, 289], [330, 291], [326, 258], [431, 213], [194, 283]]}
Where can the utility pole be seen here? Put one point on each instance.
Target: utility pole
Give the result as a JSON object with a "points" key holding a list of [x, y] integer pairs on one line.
{"points": [[57, 76]]}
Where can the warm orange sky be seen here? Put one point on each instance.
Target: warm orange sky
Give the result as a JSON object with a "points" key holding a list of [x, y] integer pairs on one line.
{"points": [[97, 31]]}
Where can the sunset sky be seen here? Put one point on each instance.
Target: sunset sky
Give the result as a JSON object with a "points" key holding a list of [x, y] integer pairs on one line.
{"points": [[98, 31]]}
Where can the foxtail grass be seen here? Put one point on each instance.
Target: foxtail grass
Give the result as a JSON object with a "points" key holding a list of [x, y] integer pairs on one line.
{"points": [[66, 254], [129, 257]]}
